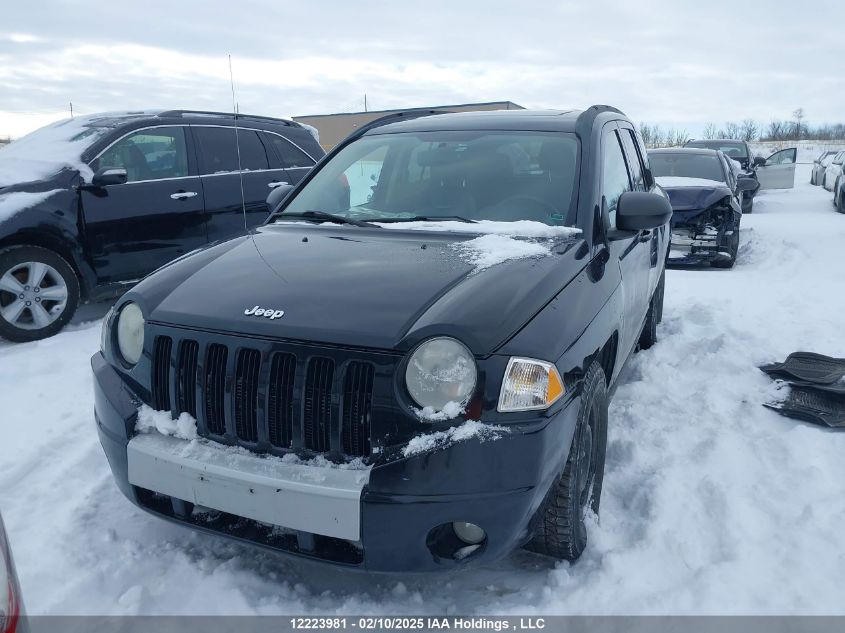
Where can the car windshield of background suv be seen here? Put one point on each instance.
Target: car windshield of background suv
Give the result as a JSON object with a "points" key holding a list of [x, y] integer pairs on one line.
{"points": [[464, 175], [686, 166]]}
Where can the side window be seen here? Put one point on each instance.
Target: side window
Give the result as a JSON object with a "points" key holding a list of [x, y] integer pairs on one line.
{"points": [[363, 175], [614, 174], [290, 155], [218, 150], [783, 157], [635, 161], [150, 154]]}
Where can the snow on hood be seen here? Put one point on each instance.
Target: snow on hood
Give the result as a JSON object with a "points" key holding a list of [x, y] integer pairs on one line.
{"points": [[519, 228], [498, 242], [680, 181], [12, 203], [50, 149]]}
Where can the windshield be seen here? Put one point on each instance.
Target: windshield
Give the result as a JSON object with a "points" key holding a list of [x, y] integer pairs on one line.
{"points": [[687, 166], [470, 175], [733, 149]]}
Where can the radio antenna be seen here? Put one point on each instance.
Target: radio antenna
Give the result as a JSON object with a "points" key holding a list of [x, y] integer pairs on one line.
{"points": [[237, 142]]}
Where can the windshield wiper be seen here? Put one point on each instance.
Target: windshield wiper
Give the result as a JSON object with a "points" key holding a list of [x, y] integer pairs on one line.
{"points": [[325, 217], [424, 218]]}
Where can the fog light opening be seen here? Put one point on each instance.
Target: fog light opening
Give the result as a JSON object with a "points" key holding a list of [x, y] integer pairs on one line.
{"points": [[469, 533]]}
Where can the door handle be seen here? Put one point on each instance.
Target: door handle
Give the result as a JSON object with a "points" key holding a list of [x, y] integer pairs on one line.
{"points": [[646, 236], [276, 183], [182, 195]]}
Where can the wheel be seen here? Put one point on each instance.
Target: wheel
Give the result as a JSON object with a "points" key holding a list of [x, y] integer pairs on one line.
{"points": [[39, 293], [748, 206], [648, 336], [840, 203], [729, 263], [560, 530]]}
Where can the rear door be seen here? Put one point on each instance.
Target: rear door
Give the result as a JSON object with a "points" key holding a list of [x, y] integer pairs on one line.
{"points": [[779, 170], [218, 149], [632, 250], [133, 228]]}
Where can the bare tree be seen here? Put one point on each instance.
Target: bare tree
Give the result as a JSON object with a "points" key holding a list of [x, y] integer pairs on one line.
{"points": [[647, 134], [776, 131], [749, 130], [710, 131], [731, 130], [798, 115]]}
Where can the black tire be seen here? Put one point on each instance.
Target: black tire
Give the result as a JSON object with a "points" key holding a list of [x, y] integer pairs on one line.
{"points": [[13, 261], [729, 263], [560, 530], [747, 207], [840, 204], [648, 336]]}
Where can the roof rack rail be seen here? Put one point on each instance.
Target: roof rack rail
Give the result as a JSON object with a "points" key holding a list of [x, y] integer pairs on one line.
{"points": [[231, 115], [404, 115]]}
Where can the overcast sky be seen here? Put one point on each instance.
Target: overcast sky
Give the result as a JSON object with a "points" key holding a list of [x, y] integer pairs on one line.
{"points": [[673, 62]]}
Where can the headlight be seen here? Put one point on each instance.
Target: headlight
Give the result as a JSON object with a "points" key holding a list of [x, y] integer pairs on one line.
{"points": [[440, 371], [530, 384], [130, 333]]}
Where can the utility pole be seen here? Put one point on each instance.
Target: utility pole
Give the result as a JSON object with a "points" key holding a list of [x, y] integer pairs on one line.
{"points": [[365, 102], [71, 109]]}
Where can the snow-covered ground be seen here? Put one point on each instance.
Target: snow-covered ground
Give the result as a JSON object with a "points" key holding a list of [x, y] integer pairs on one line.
{"points": [[712, 503]]}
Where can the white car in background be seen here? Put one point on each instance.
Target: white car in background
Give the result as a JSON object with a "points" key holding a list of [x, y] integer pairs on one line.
{"points": [[833, 171], [820, 165]]}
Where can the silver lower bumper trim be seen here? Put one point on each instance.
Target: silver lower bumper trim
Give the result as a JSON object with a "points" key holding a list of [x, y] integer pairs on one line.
{"points": [[313, 499]]}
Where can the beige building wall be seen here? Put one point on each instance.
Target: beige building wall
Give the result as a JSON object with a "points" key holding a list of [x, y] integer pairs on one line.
{"points": [[333, 128]]}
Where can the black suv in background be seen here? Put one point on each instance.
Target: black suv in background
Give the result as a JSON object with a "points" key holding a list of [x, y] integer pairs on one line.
{"points": [[88, 206], [433, 284]]}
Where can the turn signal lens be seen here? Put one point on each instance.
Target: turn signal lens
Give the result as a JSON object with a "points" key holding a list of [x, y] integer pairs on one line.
{"points": [[530, 385]]}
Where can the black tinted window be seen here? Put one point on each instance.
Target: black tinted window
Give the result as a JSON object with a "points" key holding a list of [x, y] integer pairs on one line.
{"points": [[290, 155], [614, 174], [635, 162], [733, 149], [150, 154], [218, 149]]}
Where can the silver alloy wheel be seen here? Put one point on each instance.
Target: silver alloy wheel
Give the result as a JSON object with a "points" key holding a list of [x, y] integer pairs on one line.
{"points": [[32, 295]]}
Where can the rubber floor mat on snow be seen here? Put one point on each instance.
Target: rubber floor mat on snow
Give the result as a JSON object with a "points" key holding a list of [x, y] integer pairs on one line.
{"points": [[811, 405], [808, 367], [838, 388]]}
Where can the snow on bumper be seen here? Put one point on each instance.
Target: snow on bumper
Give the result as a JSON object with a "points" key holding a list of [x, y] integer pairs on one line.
{"points": [[321, 501]]}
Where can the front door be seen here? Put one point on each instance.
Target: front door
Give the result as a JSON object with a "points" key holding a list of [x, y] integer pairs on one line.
{"points": [[156, 216], [779, 170], [632, 250]]}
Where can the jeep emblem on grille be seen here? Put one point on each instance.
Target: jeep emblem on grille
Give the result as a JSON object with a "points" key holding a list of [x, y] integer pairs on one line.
{"points": [[269, 313]]}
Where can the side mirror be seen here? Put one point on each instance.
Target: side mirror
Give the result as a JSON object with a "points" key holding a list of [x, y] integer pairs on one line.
{"points": [[759, 161], [746, 184], [109, 176], [640, 210], [277, 195]]}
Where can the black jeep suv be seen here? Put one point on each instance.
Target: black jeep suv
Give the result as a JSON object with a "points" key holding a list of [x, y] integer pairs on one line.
{"points": [[90, 205], [409, 366]]}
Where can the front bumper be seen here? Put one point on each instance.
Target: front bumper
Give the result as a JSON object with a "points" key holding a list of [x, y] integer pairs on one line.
{"points": [[394, 517], [689, 248]]}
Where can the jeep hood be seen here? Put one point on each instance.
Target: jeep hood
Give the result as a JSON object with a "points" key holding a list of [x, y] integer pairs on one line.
{"points": [[351, 286]]}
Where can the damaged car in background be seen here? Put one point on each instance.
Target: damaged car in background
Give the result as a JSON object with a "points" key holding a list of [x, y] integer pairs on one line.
{"points": [[706, 204], [410, 364]]}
